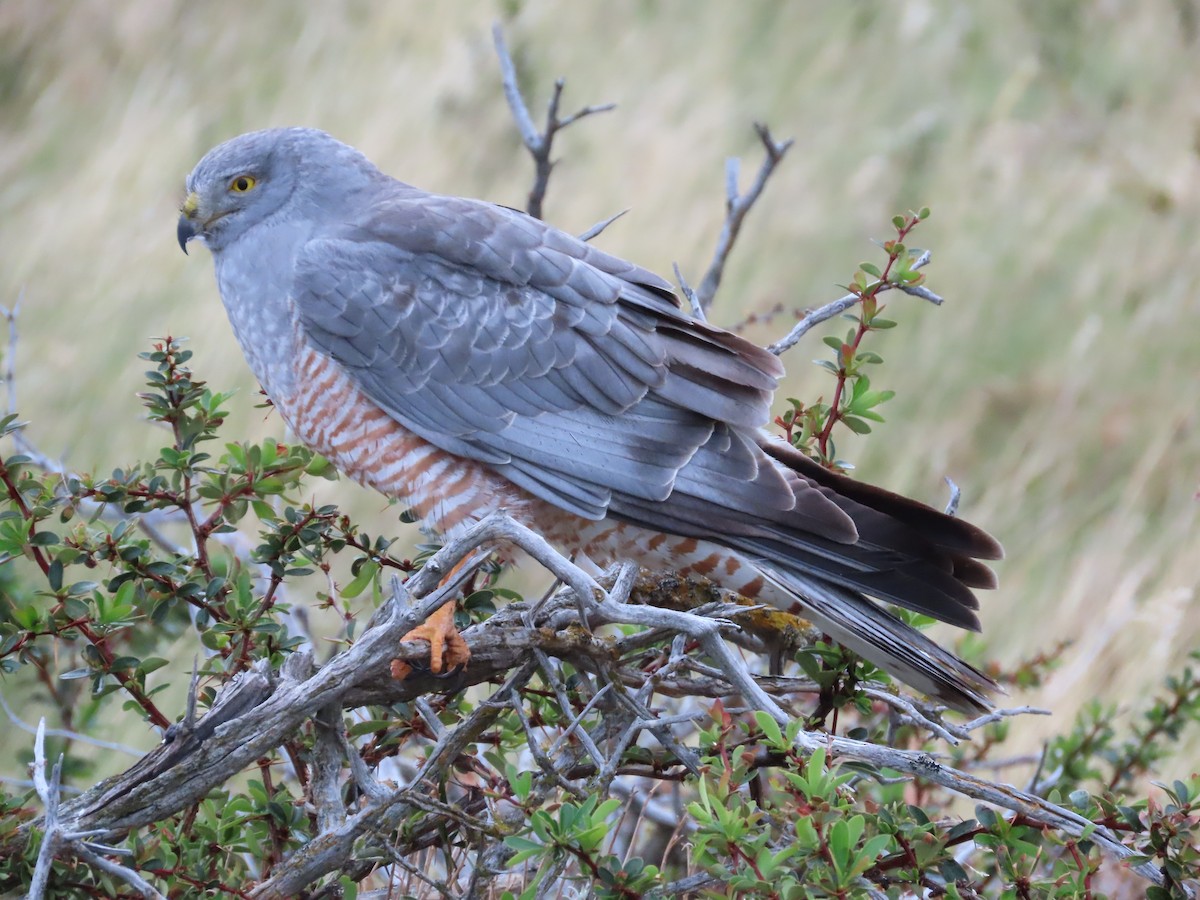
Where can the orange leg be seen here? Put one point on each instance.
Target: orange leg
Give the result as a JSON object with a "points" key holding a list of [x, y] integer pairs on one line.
{"points": [[447, 649]]}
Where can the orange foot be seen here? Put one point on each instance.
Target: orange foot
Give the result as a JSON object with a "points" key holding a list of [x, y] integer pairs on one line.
{"points": [[447, 649]]}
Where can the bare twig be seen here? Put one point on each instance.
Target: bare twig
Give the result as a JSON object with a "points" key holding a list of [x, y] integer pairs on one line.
{"points": [[539, 144], [93, 856], [10, 364], [413, 871], [596, 229], [840, 305], [47, 792], [539, 755], [366, 782], [692, 298], [955, 497], [998, 714], [64, 733], [922, 766], [564, 703], [736, 207]]}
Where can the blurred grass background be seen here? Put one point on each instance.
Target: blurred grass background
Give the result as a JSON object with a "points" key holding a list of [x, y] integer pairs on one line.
{"points": [[1057, 142]]}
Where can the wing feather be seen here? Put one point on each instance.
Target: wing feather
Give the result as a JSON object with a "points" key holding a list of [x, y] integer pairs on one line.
{"points": [[497, 337], [578, 377]]}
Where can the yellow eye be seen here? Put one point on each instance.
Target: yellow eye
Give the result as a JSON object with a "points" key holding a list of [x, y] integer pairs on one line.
{"points": [[241, 184]]}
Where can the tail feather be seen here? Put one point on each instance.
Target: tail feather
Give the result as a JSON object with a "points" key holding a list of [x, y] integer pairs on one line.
{"points": [[948, 532], [834, 544], [877, 635]]}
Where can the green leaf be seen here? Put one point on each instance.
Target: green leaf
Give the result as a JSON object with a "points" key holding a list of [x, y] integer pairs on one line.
{"points": [[365, 575], [318, 466], [874, 847], [55, 575], [769, 728], [526, 849]]}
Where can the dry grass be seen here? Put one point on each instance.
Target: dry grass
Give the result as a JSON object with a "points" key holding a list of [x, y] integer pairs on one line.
{"points": [[1056, 143]]}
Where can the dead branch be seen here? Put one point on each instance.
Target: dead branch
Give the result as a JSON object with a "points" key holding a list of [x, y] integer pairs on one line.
{"points": [[538, 143], [737, 205]]}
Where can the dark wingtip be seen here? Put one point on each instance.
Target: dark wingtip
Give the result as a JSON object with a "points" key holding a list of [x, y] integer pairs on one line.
{"points": [[948, 532], [974, 574]]}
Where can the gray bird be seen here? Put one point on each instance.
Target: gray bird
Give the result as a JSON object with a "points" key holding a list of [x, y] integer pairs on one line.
{"points": [[464, 357]]}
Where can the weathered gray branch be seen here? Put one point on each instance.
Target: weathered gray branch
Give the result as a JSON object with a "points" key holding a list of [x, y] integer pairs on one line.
{"points": [[737, 205], [47, 792], [331, 849], [538, 143]]}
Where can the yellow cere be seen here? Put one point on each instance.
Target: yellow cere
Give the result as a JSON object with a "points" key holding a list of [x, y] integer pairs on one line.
{"points": [[190, 204]]}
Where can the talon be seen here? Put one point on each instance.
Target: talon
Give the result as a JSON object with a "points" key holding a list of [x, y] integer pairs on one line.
{"points": [[447, 649], [451, 673]]}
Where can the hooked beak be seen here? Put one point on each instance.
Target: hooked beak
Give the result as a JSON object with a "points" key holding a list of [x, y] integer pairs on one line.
{"points": [[188, 227]]}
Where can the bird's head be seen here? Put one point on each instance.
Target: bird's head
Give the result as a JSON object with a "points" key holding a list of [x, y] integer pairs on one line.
{"points": [[235, 186], [246, 180]]}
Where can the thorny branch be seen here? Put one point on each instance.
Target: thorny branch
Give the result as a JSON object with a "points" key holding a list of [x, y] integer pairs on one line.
{"points": [[258, 711]]}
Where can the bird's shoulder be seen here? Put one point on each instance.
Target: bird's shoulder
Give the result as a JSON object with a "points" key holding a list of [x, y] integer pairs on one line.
{"points": [[407, 226]]}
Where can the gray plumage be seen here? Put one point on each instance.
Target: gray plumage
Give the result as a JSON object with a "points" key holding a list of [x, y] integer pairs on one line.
{"points": [[572, 374]]}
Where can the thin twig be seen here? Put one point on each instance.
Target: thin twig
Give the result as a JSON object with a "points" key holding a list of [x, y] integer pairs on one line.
{"points": [[840, 305], [736, 207], [539, 144], [47, 792], [692, 298], [64, 733], [998, 714], [10, 364], [399, 860], [539, 755], [596, 229], [564, 704], [89, 854], [955, 497], [362, 776], [430, 717]]}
